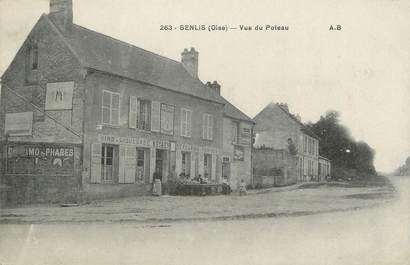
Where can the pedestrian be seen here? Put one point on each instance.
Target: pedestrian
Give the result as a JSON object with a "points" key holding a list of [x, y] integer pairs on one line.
{"points": [[156, 187], [242, 188], [226, 189]]}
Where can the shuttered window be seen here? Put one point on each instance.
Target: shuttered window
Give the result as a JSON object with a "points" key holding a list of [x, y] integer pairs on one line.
{"points": [[155, 116], [186, 121], [133, 112], [207, 126], [110, 108]]}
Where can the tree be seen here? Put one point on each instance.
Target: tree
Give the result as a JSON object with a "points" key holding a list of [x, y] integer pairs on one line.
{"points": [[337, 144]]}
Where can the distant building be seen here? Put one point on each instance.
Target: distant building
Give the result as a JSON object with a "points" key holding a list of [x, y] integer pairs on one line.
{"points": [[279, 129], [324, 168], [87, 114]]}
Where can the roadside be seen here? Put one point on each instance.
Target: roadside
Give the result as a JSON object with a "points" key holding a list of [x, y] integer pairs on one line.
{"points": [[300, 199]]}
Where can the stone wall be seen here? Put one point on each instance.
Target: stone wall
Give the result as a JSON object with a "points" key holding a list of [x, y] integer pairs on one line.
{"points": [[274, 167], [45, 188]]}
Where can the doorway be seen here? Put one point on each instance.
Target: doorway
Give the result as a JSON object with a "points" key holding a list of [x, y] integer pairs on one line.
{"points": [[160, 164], [226, 171]]}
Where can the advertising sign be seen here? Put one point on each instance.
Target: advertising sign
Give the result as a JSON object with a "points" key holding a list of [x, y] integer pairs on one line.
{"points": [[238, 153], [167, 119], [245, 136], [46, 159], [19, 124], [59, 96]]}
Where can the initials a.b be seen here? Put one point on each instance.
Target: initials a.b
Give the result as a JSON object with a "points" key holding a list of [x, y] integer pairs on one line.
{"points": [[335, 27]]}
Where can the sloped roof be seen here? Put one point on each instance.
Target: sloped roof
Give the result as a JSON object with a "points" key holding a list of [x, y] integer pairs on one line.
{"points": [[233, 112], [304, 128], [106, 54]]}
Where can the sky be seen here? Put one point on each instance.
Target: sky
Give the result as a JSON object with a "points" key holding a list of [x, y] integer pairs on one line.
{"points": [[362, 71]]}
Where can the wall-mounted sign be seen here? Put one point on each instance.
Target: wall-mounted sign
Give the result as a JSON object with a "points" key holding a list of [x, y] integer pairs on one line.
{"points": [[167, 119], [19, 124], [40, 159], [59, 96], [154, 143], [238, 153], [245, 136]]}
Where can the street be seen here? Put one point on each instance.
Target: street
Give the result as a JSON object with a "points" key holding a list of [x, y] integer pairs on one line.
{"points": [[378, 235]]}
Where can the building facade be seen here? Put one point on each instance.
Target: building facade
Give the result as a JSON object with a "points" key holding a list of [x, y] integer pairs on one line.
{"points": [[273, 167], [237, 146], [277, 128], [86, 115], [324, 169]]}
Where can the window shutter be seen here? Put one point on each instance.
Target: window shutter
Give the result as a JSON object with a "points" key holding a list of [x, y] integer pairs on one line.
{"points": [[188, 123], [155, 116], [213, 174], [184, 122], [121, 164], [210, 127], [193, 158], [96, 163], [204, 126], [201, 164], [132, 118], [130, 164], [178, 162]]}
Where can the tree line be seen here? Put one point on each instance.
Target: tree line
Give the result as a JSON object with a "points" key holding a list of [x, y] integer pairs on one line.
{"points": [[404, 170], [338, 145]]}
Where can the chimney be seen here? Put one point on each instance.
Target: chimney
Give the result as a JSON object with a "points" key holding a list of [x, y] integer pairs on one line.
{"points": [[61, 13], [284, 106], [189, 60], [215, 87], [297, 116]]}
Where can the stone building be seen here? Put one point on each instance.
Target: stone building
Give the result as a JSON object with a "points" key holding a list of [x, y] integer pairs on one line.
{"points": [[324, 168], [237, 146], [277, 128], [83, 114]]}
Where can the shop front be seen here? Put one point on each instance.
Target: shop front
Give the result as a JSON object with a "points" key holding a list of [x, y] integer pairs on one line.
{"points": [[140, 160]]}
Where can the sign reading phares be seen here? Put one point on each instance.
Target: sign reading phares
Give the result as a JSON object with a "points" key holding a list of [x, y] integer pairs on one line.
{"points": [[40, 159]]}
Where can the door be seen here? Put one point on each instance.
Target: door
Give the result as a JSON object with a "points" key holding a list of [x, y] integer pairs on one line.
{"points": [[159, 163], [226, 171], [107, 163]]}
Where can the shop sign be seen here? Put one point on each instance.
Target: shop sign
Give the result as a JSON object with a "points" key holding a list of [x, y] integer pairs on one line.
{"points": [[195, 148], [142, 142], [238, 153], [19, 124], [46, 159], [59, 96], [245, 136], [160, 144]]}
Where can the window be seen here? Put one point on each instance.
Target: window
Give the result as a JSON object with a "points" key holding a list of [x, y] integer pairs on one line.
{"points": [[144, 115], [33, 57], [140, 174], [207, 165], [235, 132], [304, 143], [111, 108], [207, 126], [186, 163], [107, 163], [186, 121]]}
